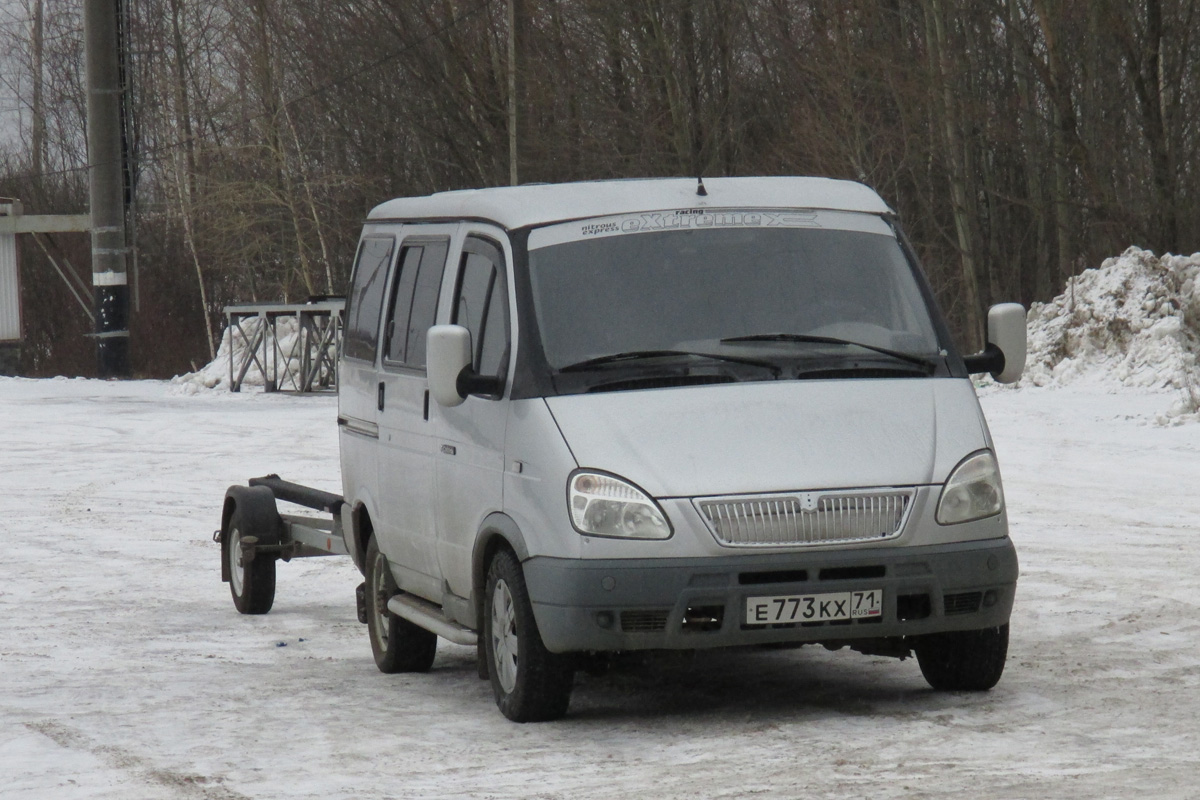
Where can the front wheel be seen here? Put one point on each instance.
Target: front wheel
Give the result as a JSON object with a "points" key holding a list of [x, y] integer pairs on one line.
{"points": [[970, 661], [531, 684], [397, 644]]}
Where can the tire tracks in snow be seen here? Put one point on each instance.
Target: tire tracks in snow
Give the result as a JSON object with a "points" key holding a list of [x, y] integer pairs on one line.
{"points": [[183, 785]]}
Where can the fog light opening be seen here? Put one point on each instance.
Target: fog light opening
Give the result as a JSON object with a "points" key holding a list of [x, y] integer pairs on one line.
{"points": [[910, 607], [990, 598], [699, 619]]}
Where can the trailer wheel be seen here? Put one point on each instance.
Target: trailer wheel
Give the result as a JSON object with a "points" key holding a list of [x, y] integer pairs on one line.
{"points": [[397, 644], [251, 582], [531, 684]]}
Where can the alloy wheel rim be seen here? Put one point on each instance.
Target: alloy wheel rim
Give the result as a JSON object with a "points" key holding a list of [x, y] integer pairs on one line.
{"points": [[380, 608], [504, 637]]}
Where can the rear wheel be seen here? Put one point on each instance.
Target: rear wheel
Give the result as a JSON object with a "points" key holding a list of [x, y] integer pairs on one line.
{"points": [[970, 661], [251, 581], [531, 684], [397, 644]]}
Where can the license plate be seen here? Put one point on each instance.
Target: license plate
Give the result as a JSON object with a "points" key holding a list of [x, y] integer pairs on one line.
{"points": [[814, 607]]}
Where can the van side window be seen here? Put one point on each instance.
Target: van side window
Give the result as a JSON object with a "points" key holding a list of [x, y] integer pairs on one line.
{"points": [[366, 298], [401, 305], [413, 305], [425, 297], [481, 305]]}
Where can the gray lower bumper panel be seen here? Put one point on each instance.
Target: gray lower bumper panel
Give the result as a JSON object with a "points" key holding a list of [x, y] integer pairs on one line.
{"points": [[642, 604]]}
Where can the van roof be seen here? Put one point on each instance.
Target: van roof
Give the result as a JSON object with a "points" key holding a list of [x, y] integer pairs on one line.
{"points": [[539, 204]]}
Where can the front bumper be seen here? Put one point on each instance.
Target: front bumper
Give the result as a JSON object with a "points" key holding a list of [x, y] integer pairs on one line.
{"points": [[693, 603]]}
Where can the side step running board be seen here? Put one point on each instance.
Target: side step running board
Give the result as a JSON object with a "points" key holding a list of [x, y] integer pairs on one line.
{"points": [[430, 617]]}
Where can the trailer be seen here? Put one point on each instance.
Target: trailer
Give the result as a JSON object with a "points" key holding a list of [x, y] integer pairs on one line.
{"points": [[254, 536]]}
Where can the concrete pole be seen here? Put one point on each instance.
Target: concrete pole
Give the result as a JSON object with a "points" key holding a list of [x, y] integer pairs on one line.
{"points": [[512, 93], [38, 128], [109, 281]]}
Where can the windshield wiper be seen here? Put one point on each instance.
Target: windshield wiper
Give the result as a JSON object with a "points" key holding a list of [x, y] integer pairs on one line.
{"points": [[805, 337], [640, 355]]}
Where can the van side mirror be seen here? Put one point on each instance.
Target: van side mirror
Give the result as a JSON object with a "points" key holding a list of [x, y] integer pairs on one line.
{"points": [[448, 363], [1004, 356], [447, 354]]}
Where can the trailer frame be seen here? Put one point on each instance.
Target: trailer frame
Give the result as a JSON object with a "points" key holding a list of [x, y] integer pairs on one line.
{"points": [[270, 536]]}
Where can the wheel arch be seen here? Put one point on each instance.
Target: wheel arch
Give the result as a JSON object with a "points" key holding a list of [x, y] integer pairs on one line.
{"points": [[498, 530]]}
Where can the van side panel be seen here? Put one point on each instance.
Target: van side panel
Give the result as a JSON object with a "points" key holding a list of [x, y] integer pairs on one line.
{"points": [[469, 458], [538, 462], [408, 533], [357, 427], [358, 423]]}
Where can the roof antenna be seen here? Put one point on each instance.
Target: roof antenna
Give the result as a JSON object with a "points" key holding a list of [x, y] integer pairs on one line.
{"points": [[700, 190]]}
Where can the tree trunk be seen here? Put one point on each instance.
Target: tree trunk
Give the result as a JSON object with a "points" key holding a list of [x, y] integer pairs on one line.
{"points": [[183, 111], [306, 182], [959, 178], [516, 49], [1042, 284], [189, 237], [1064, 131], [1144, 63], [185, 169]]}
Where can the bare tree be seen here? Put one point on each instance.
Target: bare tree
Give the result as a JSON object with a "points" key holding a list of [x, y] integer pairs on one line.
{"points": [[1020, 140]]}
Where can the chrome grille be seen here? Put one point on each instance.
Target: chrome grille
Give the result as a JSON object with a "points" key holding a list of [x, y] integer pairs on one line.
{"points": [[807, 517]]}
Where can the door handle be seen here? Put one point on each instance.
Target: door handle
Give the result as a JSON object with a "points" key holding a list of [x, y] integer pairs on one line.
{"points": [[380, 396]]}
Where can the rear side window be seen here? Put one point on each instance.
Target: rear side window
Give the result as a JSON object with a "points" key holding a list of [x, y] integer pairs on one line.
{"points": [[361, 335], [481, 306], [414, 301]]}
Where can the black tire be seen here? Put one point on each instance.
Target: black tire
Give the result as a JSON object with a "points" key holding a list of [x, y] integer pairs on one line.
{"points": [[397, 644], [252, 583], [963, 661], [481, 662], [531, 684]]}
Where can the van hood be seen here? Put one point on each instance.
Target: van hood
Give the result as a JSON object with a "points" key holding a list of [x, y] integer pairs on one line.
{"points": [[775, 436]]}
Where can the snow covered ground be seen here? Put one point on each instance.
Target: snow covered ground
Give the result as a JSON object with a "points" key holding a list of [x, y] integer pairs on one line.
{"points": [[127, 673]]}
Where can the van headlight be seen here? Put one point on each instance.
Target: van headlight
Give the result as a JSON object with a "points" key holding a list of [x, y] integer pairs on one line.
{"points": [[972, 491], [605, 505]]}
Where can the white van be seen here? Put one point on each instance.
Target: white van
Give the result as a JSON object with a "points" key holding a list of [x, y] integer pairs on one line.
{"points": [[666, 414]]}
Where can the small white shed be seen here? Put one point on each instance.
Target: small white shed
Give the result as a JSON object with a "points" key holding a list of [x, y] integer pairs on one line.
{"points": [[10, 280], [13, 221]]}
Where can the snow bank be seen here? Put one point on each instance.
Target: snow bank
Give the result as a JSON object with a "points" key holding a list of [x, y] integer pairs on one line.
{"points": [[1134, 322], [234, 343]]}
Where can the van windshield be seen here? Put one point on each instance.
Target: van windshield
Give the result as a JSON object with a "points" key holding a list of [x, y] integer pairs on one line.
{"points": [[740, 290]]}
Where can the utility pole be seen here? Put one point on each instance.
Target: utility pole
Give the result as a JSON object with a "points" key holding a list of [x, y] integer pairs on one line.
{"points": [[109, 278], [519, 48], [513, 92], [39, 111]]}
